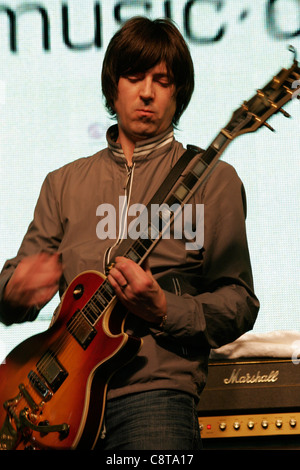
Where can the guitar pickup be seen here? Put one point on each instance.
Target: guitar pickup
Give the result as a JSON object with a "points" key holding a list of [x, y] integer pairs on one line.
{"points": [[81, 329], [39, 386]]}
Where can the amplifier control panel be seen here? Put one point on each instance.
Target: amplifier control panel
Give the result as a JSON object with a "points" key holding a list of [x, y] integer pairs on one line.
{"points": [[270, 424]]}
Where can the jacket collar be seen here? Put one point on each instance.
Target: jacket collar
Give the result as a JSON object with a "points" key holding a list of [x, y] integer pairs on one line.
{"points": [[144, 148]]}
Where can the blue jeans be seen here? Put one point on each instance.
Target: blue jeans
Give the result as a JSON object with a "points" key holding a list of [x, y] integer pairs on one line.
{"points": [[154, 420]]}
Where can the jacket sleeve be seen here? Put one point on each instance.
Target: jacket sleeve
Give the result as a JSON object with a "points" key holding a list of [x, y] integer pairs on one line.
{"points": [[226, 306], [43, 234]]}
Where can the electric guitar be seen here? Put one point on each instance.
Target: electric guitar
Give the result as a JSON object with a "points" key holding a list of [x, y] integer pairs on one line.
{"points": [[53, 386]]}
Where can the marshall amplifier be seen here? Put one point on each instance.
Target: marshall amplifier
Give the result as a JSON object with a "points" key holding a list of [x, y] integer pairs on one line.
{"points": [[251, 398]]}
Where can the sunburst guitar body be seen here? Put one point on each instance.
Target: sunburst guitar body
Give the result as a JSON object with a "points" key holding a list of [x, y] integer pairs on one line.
{"points": [[55, 383]]}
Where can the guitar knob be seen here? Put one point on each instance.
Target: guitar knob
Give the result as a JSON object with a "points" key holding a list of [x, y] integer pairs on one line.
{"points": [[78, 291]]}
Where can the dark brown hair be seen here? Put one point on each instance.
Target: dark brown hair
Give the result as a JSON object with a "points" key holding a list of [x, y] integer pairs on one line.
{"points": [[138, 46]]}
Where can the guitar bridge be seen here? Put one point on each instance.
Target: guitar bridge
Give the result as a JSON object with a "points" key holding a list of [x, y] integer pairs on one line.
{"points": [[39, 385], [52, 371]]}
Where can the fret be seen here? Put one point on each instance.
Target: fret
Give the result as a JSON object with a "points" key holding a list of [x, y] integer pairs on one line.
{"points": [[101, 298], [220, 141], [173, 200], [199, 168], [89, 314], [99, 301], [107, 291], [97, 304], [96, 311], [209, 155], [146, 242], [181, 192], [147, 237], [190, 180], [131, 254], [92, 311], [139, 248]]}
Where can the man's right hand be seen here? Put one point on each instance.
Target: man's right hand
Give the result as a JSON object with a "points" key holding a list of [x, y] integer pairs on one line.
{"points": [[34, 281]]}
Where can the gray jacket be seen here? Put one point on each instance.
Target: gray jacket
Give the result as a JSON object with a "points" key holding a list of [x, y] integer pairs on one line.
{"points": [[209, 288]]}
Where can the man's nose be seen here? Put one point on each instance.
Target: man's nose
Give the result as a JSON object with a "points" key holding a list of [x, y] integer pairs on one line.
{"points": [[146, 89]]}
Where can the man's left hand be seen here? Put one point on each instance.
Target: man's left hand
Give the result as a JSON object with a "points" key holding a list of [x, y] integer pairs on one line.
{"points": [[137, 289]]}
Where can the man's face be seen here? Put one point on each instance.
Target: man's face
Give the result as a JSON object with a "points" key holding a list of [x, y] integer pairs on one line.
{"points": [[145, 104]]}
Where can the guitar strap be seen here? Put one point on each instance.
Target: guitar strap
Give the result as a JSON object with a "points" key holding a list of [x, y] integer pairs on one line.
{"points": [[166, 186], [174, 174]]}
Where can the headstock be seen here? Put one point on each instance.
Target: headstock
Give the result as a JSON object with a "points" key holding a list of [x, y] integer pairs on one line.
{"points": [[269, 100]]}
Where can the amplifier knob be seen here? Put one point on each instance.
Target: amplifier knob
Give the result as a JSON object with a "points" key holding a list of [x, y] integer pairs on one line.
{"points": [[222, 426], [236, 425], [293, 423], [278, 423], [250, 425], [264, 424]]}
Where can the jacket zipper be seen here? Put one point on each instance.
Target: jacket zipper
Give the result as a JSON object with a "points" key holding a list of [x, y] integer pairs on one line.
{"points": [[122, 216]]}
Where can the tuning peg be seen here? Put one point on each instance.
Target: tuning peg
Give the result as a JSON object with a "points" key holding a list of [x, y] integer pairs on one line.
{"points": [[287, 115], [269, 127], [292, 49]]}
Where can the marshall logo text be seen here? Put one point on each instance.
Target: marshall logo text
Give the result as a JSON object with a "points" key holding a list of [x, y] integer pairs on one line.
{"points": [[237, 378]]}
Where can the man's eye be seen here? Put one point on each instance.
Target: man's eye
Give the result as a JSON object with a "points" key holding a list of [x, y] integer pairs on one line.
{"points": [[134, 78], [164, 82]]}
